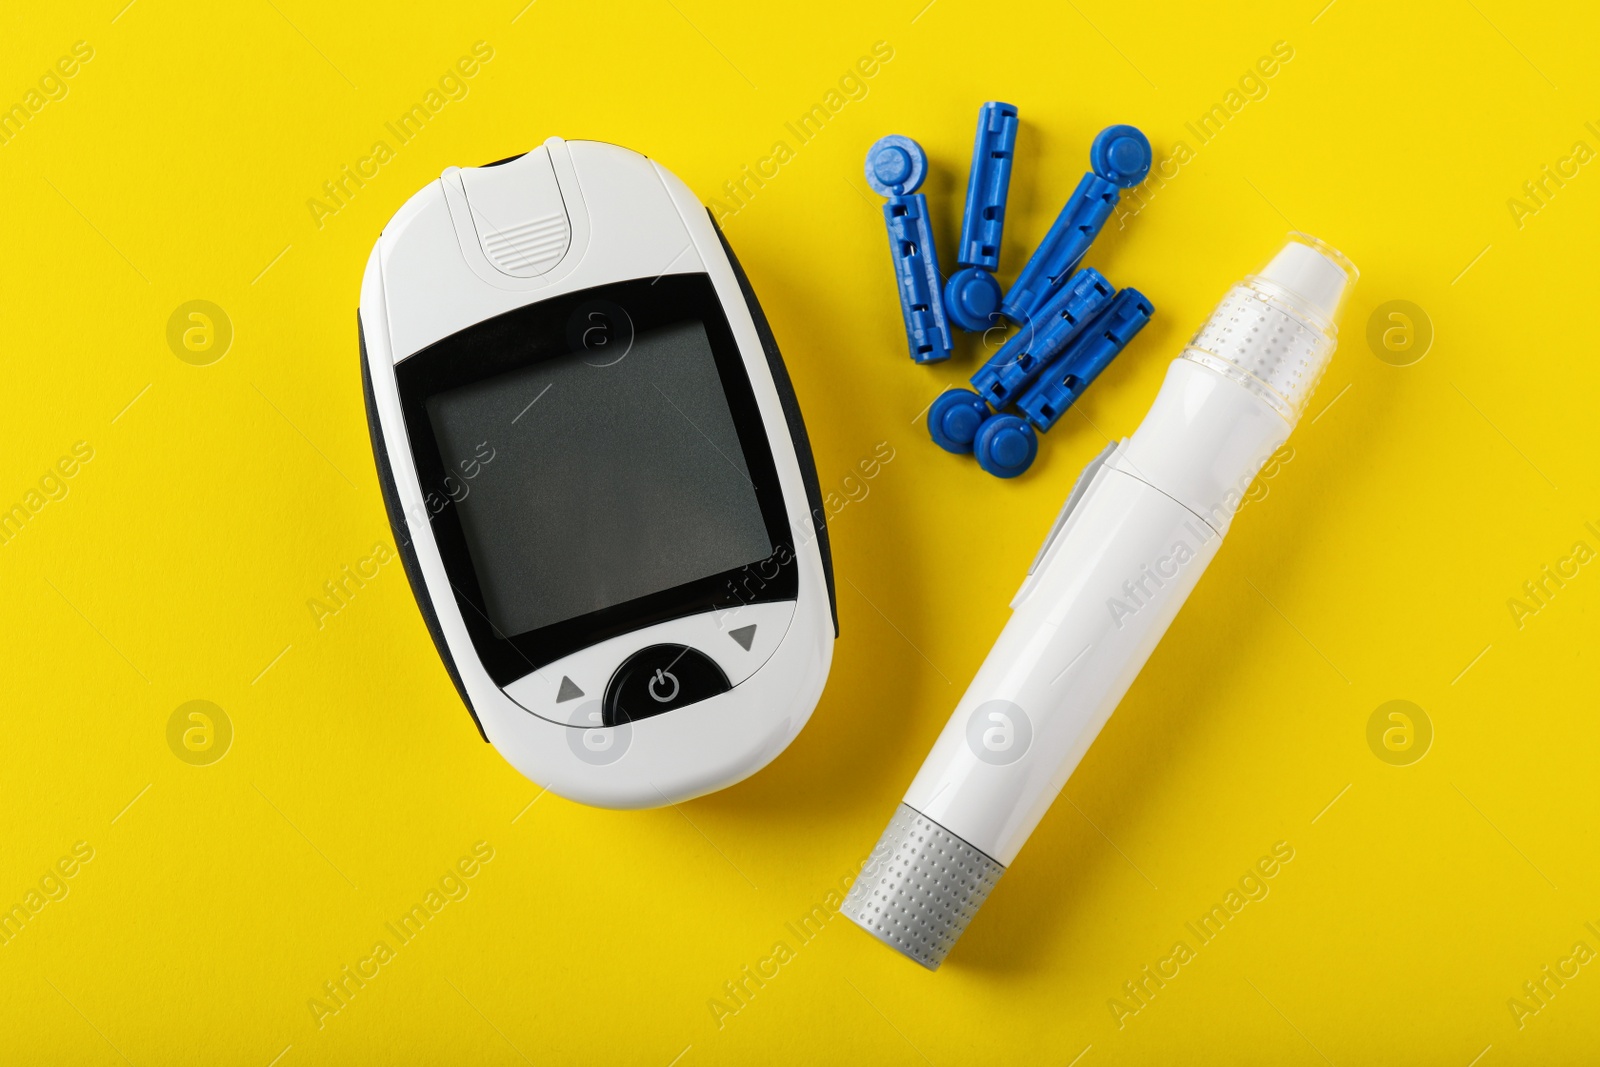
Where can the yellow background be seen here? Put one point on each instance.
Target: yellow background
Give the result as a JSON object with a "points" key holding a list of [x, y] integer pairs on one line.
{"points": [[1378, 566]]}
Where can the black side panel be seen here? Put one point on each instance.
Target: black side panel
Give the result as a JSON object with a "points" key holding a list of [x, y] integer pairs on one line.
{"points": [[402, 538], [791, 415]]}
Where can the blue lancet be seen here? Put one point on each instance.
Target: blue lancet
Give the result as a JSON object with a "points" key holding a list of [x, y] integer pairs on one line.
{"points": [[1064, 381], [895, 168], [988, 185], [972, 296], [1121, 159], [1010, 370]]}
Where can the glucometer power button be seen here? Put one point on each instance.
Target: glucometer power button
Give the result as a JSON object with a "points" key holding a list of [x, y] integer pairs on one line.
{"points": [[660, 678]]}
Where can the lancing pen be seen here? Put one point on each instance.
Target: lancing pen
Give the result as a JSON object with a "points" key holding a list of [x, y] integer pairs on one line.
{"points": [[1136, 532]]}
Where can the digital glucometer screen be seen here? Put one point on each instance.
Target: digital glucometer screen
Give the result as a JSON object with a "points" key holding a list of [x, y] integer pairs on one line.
{"points": [[585, 480]]}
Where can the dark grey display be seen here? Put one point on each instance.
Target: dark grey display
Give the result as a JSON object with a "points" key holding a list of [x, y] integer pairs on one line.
{"points": [[608, 478]]}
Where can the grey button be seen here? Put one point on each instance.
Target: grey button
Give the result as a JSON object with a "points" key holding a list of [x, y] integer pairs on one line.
{"points": [[1078, 489], [745, 635]]}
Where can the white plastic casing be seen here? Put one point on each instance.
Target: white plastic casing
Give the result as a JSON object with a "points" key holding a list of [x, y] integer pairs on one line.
{"points": [[1113, 573], [479, 242], [1133, 538]]}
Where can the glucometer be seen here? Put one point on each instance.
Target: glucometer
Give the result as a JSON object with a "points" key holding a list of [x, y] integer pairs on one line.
{"points": [[597, 474]]}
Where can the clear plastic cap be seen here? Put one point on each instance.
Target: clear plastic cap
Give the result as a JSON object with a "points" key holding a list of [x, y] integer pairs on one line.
{"points": [[1275, 332], [1313, 275]]}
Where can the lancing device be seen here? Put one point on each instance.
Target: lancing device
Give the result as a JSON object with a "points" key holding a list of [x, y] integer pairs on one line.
{"points": [[1136, 532]]}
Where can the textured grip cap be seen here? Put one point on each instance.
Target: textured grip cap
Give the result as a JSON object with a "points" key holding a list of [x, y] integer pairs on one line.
{"points": [[920, 888], [1275, 332]]}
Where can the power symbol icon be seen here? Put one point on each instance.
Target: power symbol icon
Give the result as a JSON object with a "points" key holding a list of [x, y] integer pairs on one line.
{"points": [[664, 680]]}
